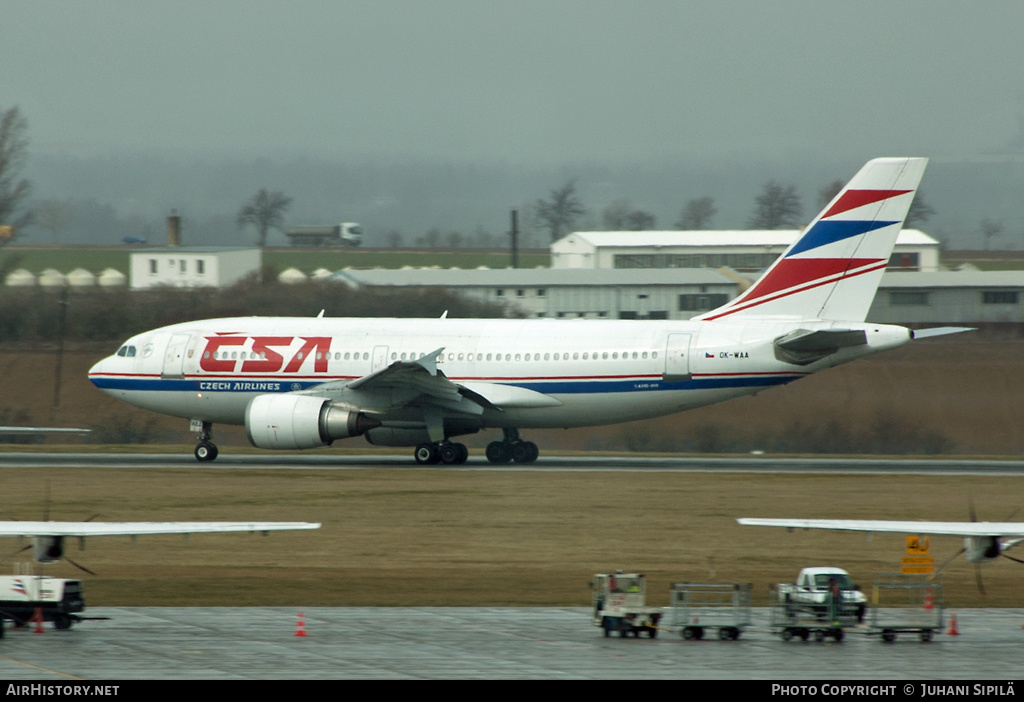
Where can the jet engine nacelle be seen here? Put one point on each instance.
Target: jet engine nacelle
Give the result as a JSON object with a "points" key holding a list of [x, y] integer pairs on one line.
{"points": [[981, 549], [391, 436], [48, 549], [300, 422]]}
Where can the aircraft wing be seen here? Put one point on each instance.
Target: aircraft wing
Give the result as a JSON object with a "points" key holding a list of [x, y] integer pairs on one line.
{"points": [[10, 528], [897, 527], [404, 382]]}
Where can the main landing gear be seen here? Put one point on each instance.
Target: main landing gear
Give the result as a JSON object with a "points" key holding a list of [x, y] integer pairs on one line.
{"points": [[447, 452], [512, 448], [206, 450]]}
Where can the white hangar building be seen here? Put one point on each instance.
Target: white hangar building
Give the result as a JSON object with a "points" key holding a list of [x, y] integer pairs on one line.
{"points": [[561, 294], [192, 266], [949, 297], [746, 251]]}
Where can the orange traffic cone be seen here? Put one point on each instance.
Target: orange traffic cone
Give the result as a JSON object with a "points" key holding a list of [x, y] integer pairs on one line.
{"points": [[38, 619], [953, 631], [300, 626], [928, 604]]}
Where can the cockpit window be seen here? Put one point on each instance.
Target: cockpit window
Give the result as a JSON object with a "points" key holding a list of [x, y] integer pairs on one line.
{"points": [[126, 350]]}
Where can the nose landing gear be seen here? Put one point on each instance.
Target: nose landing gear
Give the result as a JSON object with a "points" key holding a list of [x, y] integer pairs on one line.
{"points": [[206, 450]]}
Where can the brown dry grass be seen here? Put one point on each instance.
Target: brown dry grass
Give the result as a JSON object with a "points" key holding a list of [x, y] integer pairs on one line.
{"points": [[967, 387], [451, 538], [422, 537]]}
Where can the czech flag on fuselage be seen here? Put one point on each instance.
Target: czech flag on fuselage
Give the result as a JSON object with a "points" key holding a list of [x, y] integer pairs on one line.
{"points": [[831, 272]]}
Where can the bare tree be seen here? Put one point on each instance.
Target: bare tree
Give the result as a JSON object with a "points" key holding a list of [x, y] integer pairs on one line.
{"points": [[52, 215], [826, 194], [640, 221], [265, 211], [990, 229], [559, 213], [613, 217], [697, 214], [454, 240], [13, 154], [919, 213], [618, 217], [777, 207]]}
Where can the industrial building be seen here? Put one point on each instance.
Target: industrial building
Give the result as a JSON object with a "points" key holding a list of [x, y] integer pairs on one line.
{"points": [[192, 266], [949, 297], [561, 294], [746, 251]]}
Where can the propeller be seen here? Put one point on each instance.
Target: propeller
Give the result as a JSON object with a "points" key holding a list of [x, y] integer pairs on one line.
{"points": [[999, 551], [15, 553], [46, 518], [79, 566]]}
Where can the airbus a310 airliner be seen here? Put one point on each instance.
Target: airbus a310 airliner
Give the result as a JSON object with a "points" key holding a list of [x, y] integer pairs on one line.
{"points": [[298, 383]]}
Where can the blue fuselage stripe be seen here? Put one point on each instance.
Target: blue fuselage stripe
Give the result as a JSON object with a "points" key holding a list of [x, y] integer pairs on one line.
{"points": [[548, 387]]}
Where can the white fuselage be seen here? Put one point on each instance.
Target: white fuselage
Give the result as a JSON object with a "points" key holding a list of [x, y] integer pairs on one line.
{"points": [[579, 372]]}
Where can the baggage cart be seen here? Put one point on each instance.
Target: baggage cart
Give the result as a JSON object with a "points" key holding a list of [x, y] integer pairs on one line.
{"points": [[696, 607], [791, 618], [905, 604], [620, 605]]}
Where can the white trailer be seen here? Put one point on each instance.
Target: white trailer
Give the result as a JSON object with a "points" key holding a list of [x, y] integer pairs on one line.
{"points": [[56, 599], [790, 617], [619, 604], [905, 604], [695, 607]]}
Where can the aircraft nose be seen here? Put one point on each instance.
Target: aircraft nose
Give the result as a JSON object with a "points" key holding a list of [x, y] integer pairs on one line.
{"points": [[97, 371]]}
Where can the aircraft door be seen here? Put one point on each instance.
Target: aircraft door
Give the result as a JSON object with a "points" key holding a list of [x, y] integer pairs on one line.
{"points": [[380, 358], [174, 356], [677, 357]]}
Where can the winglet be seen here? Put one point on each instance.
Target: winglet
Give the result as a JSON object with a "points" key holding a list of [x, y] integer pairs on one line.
{"points": [[429, 361]]}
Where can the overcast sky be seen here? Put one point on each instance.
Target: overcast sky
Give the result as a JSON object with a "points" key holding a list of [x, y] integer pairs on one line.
{"points": [[519, 81]]}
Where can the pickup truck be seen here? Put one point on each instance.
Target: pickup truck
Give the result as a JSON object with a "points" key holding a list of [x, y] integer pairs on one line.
{"points": [[812, 592]]}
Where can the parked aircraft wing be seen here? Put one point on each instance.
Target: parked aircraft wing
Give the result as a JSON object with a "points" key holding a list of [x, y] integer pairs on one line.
{"points": [[11, 528], [964, 529]]}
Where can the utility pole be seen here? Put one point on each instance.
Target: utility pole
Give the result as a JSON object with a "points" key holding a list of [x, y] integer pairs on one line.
{"points": [[515, 238], [62, 315]]}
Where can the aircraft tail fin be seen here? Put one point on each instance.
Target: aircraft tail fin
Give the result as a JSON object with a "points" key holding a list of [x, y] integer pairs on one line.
{"points": [[833, 269]]}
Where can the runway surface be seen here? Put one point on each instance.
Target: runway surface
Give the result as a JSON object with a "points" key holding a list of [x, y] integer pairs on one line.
{"points": [[328, 461], [473, 643]]}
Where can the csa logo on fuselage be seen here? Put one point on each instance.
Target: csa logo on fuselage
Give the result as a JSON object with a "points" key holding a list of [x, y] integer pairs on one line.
{"points": [[264, 354]]}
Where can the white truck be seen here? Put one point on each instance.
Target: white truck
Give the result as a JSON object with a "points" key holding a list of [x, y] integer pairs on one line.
{"points": [[619, 604], [814, 593], [344, 234], [56, 599]]}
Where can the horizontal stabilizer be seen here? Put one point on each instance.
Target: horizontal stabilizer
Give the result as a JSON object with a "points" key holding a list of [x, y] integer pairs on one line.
{"points": [[938, 331], [804, 346]]}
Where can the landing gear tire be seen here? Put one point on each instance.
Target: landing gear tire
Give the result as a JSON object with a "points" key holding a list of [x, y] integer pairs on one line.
{"points": [[206, 451], [426, 454], [497, 452], [512, 448], [525, 452], [453, 454]]}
